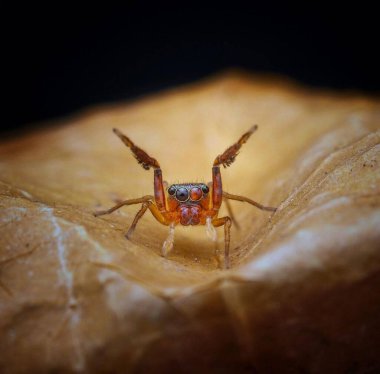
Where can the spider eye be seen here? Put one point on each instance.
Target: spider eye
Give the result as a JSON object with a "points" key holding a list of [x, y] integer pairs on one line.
{"points": [[205, 189], [182, 194], [171, 190], [195, 193]]}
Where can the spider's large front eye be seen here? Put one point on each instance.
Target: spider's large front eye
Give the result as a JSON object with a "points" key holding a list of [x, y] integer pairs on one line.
{"points": [[195, 193], [182, 194], [171, 190]]}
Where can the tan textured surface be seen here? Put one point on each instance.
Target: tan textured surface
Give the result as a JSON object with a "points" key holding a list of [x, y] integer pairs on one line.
{"points": [[303, 293]]}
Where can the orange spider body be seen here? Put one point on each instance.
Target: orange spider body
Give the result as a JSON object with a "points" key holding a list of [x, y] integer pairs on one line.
{"points": [[188, 203]]}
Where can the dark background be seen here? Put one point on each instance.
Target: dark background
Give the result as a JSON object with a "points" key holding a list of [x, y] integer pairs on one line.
{"points": [[59, 60]]}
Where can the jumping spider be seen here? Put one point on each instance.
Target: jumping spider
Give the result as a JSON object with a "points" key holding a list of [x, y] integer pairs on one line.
{"points": [[187, 203]]}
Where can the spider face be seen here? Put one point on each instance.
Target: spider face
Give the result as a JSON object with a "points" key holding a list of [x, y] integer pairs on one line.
{"points": [[189, 192]]}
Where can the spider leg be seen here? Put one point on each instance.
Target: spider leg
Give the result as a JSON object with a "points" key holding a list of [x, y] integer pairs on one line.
{"points": [[155, 212], [146, 203], [227, 195], [122, 203], [231, 214], [147, 162], [139, 214], [229, 155], [141, 156], [226, 221]]}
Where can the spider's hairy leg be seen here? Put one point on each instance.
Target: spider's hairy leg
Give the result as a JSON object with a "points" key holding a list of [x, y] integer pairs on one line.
{"points": [[217, 188], [147, 162], [226, 221], [147, 203], [159, 194], [155, 212], [230, 213], [141, 156], [139, 215], [122, 203], [229, 155], [227, 195]]}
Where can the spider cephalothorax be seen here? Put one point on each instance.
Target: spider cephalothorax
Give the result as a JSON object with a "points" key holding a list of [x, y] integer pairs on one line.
{"points": [[190, 201], [187, 203]]}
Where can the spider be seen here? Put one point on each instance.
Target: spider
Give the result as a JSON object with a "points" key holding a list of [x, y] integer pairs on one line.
{"points": [[187, 203]]}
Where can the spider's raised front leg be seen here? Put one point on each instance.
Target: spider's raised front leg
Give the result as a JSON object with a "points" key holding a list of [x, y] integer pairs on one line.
{"points": [[156, 204], [229, 155], [226, 159], [215, 204]]}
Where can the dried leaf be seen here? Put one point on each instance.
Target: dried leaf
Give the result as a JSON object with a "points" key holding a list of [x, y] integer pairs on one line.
{"points": [[303, 294]]}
